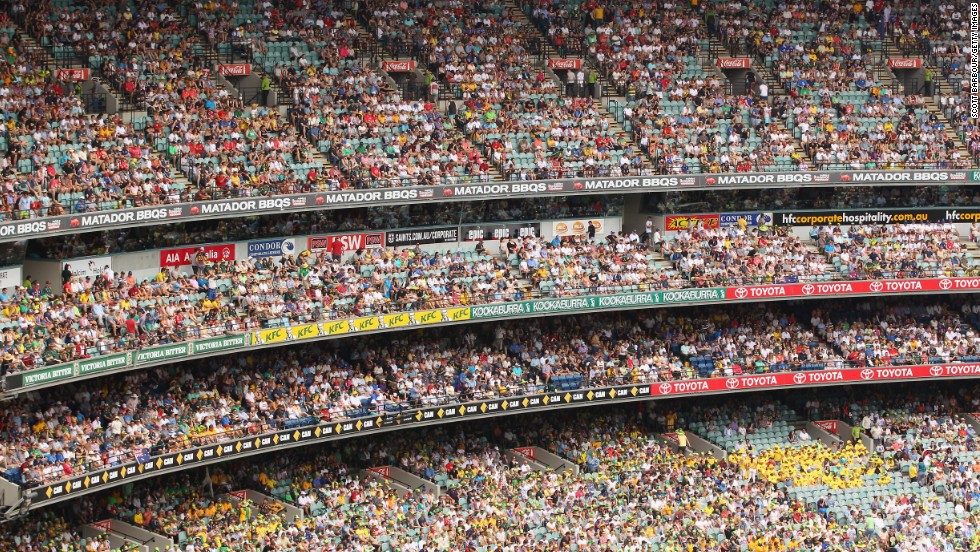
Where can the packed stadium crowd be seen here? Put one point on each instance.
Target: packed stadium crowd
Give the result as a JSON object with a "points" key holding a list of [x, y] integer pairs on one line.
{"points": [[113, 311], [348, 126], [149, 412], [905, 479], [632, 490]]}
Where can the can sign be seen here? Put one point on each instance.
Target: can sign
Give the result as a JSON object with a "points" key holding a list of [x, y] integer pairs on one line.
{"points": [[734, 63], [905, 63], [398, 66], [565, 63], [235, 69], [71, 75]]}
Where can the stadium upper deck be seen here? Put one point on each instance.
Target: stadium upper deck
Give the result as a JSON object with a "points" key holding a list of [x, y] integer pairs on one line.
{"points": [[325, 116]]}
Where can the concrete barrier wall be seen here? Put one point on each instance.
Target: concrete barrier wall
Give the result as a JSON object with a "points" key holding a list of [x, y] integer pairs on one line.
{"points": [[403, 479], [122, 534], [515, 456], [821, 434], [844, 431], [553, 461], [699, 444]]}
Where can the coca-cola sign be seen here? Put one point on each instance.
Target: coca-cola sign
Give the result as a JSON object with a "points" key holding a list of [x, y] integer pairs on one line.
{"points": [[734, 63], [235, 69], [72, 75], [565, 64], [905, 63], [398, 66]]}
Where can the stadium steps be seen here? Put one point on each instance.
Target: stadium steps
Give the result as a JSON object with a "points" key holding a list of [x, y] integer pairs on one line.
{"points": [[761, 70], [942, 85], [36, 51]]}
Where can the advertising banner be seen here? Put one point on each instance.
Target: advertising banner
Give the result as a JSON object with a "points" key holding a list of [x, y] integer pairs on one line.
{"points": [[673, 223], [526, 452], [446, 234], [815, 377], [564, 64], [273, 335], [11, 276], [383, 471], [103, 363], [905, 63], [219, 344], [235, 69], [734, 63], [88, 267], [165, 352], [72, 75], [229, 208], [829, 425], [874, 287], [967, 214], [499, 231], [271, 248], [566, 228], [397, 66], [306, 331], [727, 220], [351, 242], [184, 256]]}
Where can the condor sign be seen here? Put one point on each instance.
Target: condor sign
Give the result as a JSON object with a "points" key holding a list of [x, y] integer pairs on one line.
{"points": [[351, 242]]}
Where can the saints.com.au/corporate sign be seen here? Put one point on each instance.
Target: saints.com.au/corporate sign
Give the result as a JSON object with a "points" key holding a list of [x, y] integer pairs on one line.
{"points": [[164, 214]]}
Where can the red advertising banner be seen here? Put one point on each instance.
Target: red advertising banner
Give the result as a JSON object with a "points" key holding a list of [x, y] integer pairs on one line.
{"points": [[674, 223], [734, 63], [235, 69], [829, 425], [104, 526], [240, 495], [398, 66], [815, 377], [672, 437], [352, 242], [874, 287], [72, 74], [383, 471], [526, 452], [184, 256], [905, 63], [564, 64]]}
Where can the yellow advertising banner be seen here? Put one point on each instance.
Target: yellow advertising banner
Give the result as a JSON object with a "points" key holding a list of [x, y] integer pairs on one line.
{"points": [[306, 331], [456, 314], [429, 316], [397, 320], [367, 324], [337, 328], [275, 335]]}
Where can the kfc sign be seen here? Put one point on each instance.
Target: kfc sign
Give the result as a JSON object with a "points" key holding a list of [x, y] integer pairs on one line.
{"points": [[185, 255], [565, 64], [734, 63], [351, 242], [235, 69], [398, 66], [905, 63], [72, 75]]}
